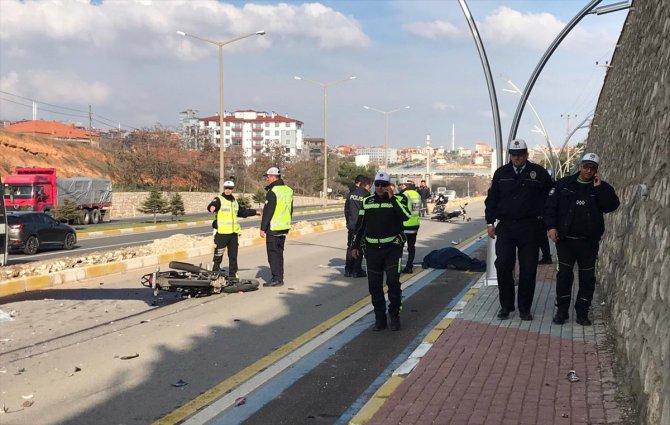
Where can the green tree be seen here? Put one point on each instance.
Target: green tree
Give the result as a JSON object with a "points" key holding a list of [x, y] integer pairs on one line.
{"points": [[154, 204], [244, 201], [176, 206], [347, 172], [259, 197], [67, 212]]}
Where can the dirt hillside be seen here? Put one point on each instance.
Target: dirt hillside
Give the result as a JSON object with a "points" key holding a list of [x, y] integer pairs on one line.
{"points": [[70, 158]]}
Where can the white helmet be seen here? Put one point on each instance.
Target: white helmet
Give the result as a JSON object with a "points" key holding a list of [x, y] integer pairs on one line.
{"points": [[383, 176], [591, 158], [518, 146], [228, 183]]}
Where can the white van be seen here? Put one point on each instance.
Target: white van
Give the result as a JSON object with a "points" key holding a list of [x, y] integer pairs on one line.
{"points": [[449, 194]]}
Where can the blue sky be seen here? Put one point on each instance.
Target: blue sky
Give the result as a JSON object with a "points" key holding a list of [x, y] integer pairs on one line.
{"points": [[125, 59]]}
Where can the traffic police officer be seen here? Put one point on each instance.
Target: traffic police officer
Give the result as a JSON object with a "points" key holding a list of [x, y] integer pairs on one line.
{"points": [[516, 198], [276, 223], [227, 211], [413, 203], [354, 266], [574, 219], [379, 233]]}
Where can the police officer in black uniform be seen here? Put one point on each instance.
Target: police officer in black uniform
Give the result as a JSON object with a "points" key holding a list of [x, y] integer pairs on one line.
{"points": [[379, 232], [516, 198], [354, 266], [574, 219]]}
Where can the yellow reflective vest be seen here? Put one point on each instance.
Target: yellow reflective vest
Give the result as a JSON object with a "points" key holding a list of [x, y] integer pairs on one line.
{"points": [[226, 217], [281, 219], [414, 201]]}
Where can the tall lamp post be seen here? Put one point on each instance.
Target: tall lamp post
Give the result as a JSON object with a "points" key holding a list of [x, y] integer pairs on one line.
{"points": [[325, 86], [386, 130], [222, 177]]}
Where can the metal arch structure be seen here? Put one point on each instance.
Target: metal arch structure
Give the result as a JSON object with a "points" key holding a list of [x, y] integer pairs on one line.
{"points": [[491, 274], [489, 78], [579, 126], [543, 61]]}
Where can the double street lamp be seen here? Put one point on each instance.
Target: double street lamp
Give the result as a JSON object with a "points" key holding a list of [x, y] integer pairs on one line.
{"points": [[325, 86], [386, 130], [222, 177]]}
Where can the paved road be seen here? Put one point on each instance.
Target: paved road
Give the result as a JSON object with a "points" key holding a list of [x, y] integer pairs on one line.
{"points": [[67, 346], [111, 242]]}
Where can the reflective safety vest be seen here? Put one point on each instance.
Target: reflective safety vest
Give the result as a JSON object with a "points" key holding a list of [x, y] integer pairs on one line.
{"points": [[414, 208], [226, 217], [281, 219]]}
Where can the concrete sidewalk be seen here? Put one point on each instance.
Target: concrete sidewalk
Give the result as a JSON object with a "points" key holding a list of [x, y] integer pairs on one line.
{"points": [[483, 370]]}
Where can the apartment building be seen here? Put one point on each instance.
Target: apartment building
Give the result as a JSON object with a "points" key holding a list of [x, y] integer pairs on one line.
{"points": [[254, 133]]}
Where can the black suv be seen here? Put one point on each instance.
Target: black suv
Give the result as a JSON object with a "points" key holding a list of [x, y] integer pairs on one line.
{"points": [[31, 231]]}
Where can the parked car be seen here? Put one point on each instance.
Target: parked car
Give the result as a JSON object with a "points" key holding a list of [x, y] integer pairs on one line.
{"points": [[30, 231]]}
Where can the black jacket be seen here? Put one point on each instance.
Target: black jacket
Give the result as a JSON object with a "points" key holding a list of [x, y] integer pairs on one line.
{"points": [[559, 209], [269, 209], [519, 197], [424, 192], [353, 205], [380, 222]]}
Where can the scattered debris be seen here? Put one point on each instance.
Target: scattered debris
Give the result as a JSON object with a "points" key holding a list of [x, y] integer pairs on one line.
{"points": [[132, 356], [76, 369], [564, 415], [572, 376], [27, 397], [318, 305], [454, 243], [5, 339], [236, 320], [21, 370], [180, 383], [49, 299], [4, 408], [102, 283], [145, 321], [240, 401], [27, 403]]}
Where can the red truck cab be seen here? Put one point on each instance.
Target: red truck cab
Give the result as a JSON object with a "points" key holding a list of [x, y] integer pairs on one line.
{"points": [[31, 189]]}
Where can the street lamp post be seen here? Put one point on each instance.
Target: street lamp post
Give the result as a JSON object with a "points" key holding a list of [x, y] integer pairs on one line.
{"points": [[386, 130], [325, 86], [220, 44]]}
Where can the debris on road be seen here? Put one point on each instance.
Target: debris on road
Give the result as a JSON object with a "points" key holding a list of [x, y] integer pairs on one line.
{"points": [[180, 383], [27, 403], [572, 376], [132, 356], [27, 397], [240, 401]]}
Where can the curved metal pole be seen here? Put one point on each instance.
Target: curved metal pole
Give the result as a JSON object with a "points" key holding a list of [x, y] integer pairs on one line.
{"points": [[491, 274], [489, 78], [543, 61], [578, 127]]}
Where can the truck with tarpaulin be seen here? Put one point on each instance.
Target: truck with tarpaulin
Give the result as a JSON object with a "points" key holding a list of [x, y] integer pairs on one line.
{"points": [[39, 189]]}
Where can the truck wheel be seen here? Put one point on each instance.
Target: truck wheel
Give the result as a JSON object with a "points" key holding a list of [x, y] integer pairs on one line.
{"points": [[32, 244], [85, 217], [70, 241], [95, 216]]}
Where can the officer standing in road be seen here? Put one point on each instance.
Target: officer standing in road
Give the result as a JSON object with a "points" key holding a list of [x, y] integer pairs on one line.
{"points": [[411, 227], [276, 223], [424, 191], [516, 198], [574, 219], [379, 233], [354, 266], [227, 211]]}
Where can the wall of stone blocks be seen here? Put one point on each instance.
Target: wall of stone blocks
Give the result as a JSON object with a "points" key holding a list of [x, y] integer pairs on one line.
{"points": [[631, 133], [125, 204]]}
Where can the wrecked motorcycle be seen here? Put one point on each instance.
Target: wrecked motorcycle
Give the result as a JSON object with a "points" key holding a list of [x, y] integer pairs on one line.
{"points": [[191, 280], [448, 216]]}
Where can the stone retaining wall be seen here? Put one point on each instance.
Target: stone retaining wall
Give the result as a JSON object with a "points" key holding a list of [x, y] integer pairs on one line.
{"points": [[631, 133], [125, 204]]}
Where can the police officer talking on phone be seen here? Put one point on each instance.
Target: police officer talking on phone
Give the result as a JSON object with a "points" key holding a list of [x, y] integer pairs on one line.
{"points": [[379, 234], [574, 219], [516, 198]]}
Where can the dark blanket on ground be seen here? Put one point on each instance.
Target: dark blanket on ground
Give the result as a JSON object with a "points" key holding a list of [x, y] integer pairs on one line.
{"points": [[452, 258]]}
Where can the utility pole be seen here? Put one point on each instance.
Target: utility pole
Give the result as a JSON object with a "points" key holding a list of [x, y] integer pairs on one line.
{"points": [[90, 125], [567, 118]]}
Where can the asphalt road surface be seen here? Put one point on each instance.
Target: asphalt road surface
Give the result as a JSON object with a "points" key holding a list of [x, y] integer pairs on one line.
{"points": [[106, 351]]}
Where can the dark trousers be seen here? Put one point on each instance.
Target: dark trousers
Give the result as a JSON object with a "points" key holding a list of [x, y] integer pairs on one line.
{"points": [[352, 265], [513, 236], [584, 252], [543, 240], [275, 248], [384, 259], [411, 248], [223, 241]]}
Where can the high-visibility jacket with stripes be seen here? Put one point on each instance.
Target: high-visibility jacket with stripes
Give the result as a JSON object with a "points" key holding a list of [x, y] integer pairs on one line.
{"points": [[226, 217], [414, 205], [281, 218]]}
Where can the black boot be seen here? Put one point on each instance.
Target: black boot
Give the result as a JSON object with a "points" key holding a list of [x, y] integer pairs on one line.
{"points": [[380, 323], [583, 319], [560, 317], [395, 322], [216, 267], [408, 269]]}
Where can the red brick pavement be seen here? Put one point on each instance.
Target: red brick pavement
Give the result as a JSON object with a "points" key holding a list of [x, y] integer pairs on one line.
{"points": [[478, 373]]}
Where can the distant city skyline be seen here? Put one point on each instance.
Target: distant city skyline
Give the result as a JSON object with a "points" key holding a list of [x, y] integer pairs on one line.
{"points": [[128, 63]]}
